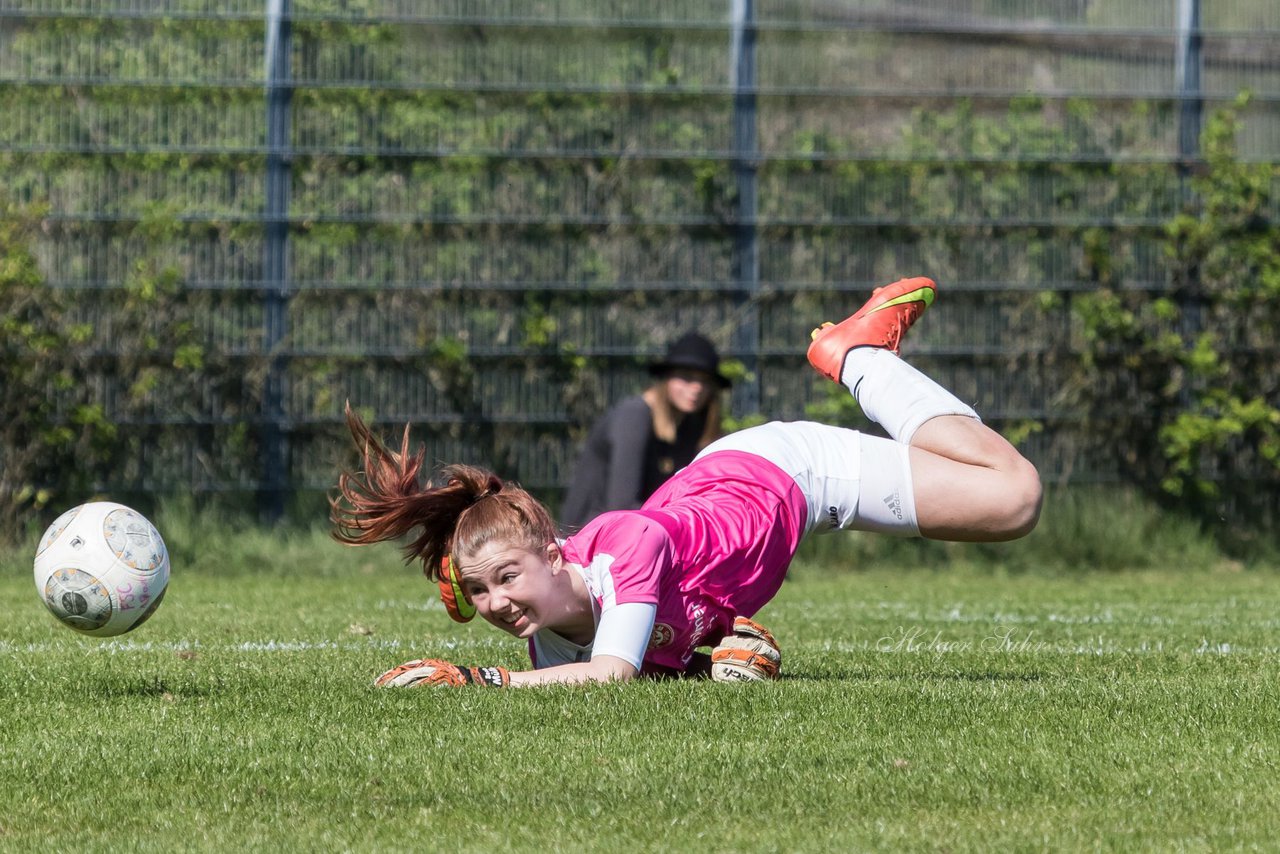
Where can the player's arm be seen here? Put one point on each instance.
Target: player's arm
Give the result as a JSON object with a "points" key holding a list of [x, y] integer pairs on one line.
{"points": [[601, 668], [618, 651], [425, 672]]}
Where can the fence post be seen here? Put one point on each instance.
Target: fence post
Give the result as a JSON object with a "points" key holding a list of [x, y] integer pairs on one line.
{"points": [[1189, 63], [746, 249], [1190, 297], [275, 248]]}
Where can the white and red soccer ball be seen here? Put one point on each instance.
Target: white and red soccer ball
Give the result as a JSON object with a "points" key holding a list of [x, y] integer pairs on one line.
{"points": [[102, 568]]}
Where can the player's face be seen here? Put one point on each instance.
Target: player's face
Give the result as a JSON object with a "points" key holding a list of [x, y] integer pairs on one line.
{"points": [[513, 588], [689, 390]]}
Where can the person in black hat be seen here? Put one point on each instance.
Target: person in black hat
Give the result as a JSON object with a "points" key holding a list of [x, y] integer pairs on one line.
{"points": [[648, 437]]}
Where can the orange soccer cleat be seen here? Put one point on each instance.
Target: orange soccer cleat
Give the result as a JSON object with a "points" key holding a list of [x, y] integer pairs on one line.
{"points": [[880, 323]]}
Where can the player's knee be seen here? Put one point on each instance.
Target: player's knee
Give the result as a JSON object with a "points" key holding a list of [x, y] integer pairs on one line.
{"points": [[1024, 497]]}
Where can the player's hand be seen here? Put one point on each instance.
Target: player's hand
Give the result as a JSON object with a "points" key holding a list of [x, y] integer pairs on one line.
{"points": [[750, 654], [433, 671]]}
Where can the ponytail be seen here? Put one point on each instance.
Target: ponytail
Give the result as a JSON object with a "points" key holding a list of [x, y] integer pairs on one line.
{"points": [[472, 506]]}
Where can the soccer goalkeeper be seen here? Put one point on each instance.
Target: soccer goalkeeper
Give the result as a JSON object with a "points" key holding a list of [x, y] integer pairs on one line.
{"points": [[639, 591]]}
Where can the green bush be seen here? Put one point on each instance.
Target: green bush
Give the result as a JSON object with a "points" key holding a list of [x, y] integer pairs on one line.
{"points": [[92, 383], [1180, 386], [52, 434]]}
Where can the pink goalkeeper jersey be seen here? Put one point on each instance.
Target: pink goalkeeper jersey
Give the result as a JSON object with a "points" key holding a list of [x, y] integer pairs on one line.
{"points": [[714, 542]]}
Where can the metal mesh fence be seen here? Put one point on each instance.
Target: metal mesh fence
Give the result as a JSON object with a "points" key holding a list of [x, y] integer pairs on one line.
{"points": [[483, 217]]}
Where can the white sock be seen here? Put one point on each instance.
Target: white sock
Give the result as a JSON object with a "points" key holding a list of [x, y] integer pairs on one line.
{"points": [[895, 395]]}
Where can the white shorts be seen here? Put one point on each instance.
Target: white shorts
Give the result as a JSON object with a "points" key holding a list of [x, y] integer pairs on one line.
{"points": [[850, 480]]}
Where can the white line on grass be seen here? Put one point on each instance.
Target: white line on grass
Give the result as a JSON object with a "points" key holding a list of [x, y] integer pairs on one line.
{"points": [[123, 646], [898, 643], [935, 644]]}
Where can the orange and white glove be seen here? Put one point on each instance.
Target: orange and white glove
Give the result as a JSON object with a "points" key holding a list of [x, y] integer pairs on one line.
{"points": [[750, 654], [434, 671]]}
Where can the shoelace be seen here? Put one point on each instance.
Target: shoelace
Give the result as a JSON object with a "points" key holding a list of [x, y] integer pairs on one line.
{"points": [[895, 335]]}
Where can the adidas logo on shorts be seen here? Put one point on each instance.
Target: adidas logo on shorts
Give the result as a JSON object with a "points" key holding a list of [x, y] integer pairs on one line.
{"points": [[894, 503]]}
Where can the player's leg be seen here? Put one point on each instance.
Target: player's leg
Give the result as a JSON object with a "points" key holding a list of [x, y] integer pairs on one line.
{"points": [[968, 482]]}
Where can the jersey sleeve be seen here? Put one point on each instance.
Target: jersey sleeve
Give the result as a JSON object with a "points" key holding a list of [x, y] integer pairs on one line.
{"points": [[631, 554], [624, 632]]}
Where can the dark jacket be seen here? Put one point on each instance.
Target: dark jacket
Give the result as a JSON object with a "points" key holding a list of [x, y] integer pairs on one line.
{"points": [[623, 462]]}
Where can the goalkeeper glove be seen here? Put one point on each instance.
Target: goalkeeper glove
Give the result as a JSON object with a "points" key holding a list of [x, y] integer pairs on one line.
{"points": [[433, 671], [748, 655]]}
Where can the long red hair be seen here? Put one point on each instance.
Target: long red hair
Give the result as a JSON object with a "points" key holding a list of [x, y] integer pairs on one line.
{"points": [[463, 509]]}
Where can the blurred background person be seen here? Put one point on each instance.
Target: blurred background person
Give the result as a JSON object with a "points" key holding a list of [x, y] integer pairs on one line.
{"points": [[643, 440]]}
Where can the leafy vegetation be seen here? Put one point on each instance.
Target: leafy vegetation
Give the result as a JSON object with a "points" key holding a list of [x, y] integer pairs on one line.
{"points": [[1173, 383], [1181, 384], [492, 226]]}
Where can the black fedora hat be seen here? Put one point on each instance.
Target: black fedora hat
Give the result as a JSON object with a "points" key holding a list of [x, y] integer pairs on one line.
{"points": [[691, 350]]}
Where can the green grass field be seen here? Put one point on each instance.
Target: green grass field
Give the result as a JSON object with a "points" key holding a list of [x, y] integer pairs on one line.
{"points": [[957, 709]]}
